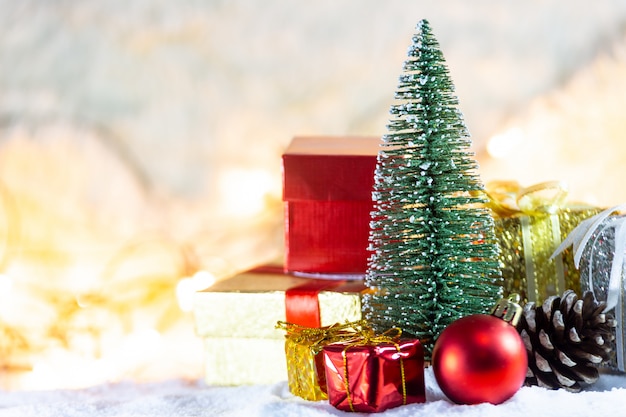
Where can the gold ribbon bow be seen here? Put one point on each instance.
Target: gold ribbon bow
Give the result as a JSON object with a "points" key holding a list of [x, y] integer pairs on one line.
{"points": [[507, 198], [316, 338]]}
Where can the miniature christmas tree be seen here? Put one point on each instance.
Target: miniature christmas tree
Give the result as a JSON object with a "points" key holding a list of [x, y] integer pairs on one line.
{"points": [[434, 252]]}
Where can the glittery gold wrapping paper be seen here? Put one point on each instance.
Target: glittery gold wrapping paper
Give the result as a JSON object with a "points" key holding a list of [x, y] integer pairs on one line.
{"points": [[527, 241], [237, 318], [305, 363], [305, 371]]}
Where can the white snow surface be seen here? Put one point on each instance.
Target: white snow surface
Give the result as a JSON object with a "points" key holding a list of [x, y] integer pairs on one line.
{"points": [[194, 398]]}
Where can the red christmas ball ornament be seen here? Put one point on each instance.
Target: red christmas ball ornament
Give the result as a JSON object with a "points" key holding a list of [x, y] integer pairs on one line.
{"points": [[481, 358]]}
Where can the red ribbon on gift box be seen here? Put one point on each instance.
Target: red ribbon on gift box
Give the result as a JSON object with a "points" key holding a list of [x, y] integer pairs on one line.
{"points": [[302, 304]]}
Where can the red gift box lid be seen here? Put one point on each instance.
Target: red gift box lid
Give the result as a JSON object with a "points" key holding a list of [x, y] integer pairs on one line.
{"points": [[327, 168]]}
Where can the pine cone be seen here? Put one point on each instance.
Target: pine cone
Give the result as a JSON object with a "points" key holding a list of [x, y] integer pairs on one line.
{"points": [[566, 339]]}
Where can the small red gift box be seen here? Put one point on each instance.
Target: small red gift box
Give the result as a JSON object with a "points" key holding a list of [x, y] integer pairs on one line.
{"points": [[327, 190], [372, 377]]}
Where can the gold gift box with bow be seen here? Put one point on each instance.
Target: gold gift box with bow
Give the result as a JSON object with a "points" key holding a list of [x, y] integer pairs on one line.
{"points": [[303, 347], [530, 224]]}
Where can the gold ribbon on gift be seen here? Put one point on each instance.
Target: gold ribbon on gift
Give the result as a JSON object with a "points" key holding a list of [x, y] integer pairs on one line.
{"points": [[317, 337], [368, 337], [537, 207], [508, 198]]}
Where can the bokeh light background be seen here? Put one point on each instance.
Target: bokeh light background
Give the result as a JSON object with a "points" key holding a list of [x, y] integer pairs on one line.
{"points": [[140, 145]]}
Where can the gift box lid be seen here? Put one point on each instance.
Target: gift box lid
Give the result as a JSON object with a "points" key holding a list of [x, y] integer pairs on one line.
{"points": [[327, 168], [251, 303]]}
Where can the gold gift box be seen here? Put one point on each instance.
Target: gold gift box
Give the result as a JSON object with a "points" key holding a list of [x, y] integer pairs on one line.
{"points": [[304, 371], [305, 363], [230, 361], [529, 231], [237, 319]]}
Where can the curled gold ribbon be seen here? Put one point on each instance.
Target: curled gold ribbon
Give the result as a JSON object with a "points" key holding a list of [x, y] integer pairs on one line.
{"points": [[368, 337], [326, 334], [317, 337], [507, 198]]}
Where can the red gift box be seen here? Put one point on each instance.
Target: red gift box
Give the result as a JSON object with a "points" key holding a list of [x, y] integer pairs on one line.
{"points": [[327, 190], [374, 377]]}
